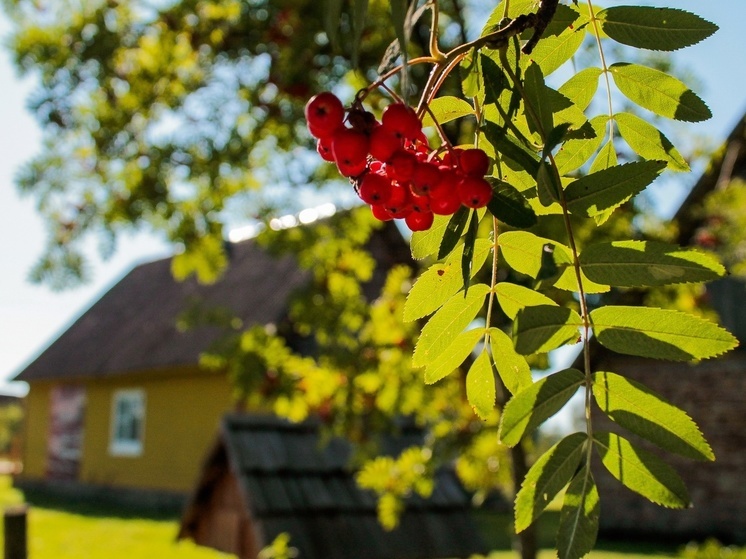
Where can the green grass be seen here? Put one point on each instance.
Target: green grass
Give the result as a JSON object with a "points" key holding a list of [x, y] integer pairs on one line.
{"points": [[88, 533], [84, 531]]}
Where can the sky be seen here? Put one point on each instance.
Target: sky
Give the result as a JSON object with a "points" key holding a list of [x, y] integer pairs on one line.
{"points": [[32, 316]]}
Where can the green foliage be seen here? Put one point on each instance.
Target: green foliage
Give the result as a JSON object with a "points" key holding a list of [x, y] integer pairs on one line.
{"points": [[11, 420], [578, 527]]}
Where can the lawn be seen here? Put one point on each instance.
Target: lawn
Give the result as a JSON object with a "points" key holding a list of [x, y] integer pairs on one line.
{"points": [[59, 534], [85, 532]]}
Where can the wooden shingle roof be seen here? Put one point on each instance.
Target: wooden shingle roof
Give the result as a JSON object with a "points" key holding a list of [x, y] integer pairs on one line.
{"points": [[291, 482], [133, 327]]}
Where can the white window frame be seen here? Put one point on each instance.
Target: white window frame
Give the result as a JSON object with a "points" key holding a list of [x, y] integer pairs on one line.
{"points": [[130, 446]]}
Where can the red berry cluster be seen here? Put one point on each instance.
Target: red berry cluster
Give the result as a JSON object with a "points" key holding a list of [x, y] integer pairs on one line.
{"points": [[393, 168]]}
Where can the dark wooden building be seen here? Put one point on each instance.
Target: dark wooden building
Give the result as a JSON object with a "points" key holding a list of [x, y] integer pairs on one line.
{"points": [[266, 476], [713, 392]]}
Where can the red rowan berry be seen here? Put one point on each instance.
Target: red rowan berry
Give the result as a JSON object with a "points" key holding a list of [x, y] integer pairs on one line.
{"points": [[425, 178], [446, 203], [324, 149], [399, 203], [401, 121], [419, 221], [374, 189], [474, 162], [324, 114], [380, 213], [401, 166], [383, 144], [474, 192], [350, 149]]}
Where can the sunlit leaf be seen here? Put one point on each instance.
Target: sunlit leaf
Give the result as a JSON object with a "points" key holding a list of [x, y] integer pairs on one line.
{"points": [[426, 243], [659, 333], [512, 367], [446, 109], [441, 281], [447, 323], [453, 356], [654, 28], [582, 87], [533, 405], [454, 230], [547, 477], [509, 147], [575, 153], [578, 522], [592, 194], [545, 327], [659, 92], [480, 385], [524, 251], [647, 263], [648, 142], [645, 413], [513, 297], [641, 471]]}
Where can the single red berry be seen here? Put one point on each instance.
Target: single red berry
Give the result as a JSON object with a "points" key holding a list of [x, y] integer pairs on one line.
{"points": [[401, 121], [380, 213], [350, 149], [425, 178], [324, 114], [419, 221], [324, 148], [445, 204], [420, 203], [399, 203], [374, 189], [383, 144], [474, 192], [474, 162], [401, 165], [451, 157]]}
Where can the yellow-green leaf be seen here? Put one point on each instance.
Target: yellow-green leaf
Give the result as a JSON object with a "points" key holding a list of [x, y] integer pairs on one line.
{"points": [[453, 356], [447, 323], [480, 386], [446, 109], [648, 142], [513, 297], [512, 367], [545, 327], [578, 526]]}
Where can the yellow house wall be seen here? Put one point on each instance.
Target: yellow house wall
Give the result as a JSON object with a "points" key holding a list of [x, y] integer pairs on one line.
{"points": [[182, 415], [35, 425]]}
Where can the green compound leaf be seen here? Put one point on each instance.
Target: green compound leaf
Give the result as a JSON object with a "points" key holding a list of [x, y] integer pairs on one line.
{"points": [[447, 323], [426, 243], [510, 206], [578, 524], [641, 471], [536, 403], [453, 232], [553, 52], [549, 474], [645, 413], [575, 153], [513, 298], [524, 252], [648, 142], [480, 386], [454, 356], [654, 28], [544, 328], [495, 81], [547, 184], [509, 147], [658, 92], [606, 158], [471, 82], [446, 109], [647, 264], [441, 281], [512, 367], [538, 110], [582, 87], [593, 194], [659, 333]]}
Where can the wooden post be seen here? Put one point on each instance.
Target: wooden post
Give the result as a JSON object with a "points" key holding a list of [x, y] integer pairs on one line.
{"points": [[14, 523]]}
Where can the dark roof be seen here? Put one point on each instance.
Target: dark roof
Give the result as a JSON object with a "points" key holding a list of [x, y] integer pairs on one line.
{"points": [[293, 483], [727, 163], [133, 326]]}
